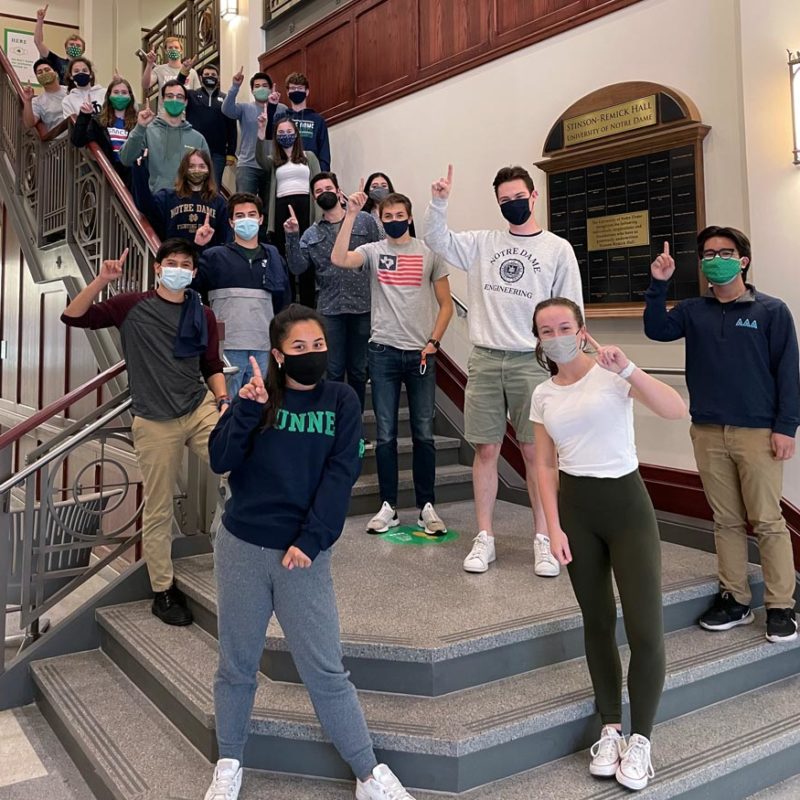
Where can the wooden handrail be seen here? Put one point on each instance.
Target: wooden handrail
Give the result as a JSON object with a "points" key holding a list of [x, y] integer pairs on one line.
{"points": [[57, 406]]}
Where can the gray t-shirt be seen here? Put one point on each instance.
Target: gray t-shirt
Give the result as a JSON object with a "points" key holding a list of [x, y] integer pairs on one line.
{"points": [[404, 306], [48, 107]]}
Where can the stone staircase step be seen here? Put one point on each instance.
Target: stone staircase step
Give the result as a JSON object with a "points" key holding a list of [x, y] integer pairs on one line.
{"points": [[448, 630], [447, 452], [446, 743], [403, 424], [126, 748]]}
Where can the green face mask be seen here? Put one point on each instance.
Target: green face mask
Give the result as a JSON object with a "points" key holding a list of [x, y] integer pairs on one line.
{"points": [[119, 101], [720, 270], [261, 94], [174, 107], [74, 50], [173, 55]]}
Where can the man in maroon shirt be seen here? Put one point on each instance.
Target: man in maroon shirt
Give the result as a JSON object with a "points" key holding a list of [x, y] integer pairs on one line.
{"points": [[177, 387]]}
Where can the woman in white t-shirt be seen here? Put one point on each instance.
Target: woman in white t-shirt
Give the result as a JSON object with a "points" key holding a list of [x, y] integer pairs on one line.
{"points": [[601, 520], [81, 88]]}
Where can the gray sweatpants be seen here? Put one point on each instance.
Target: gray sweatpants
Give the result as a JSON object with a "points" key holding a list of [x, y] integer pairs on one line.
{"points": [[251, 584]]}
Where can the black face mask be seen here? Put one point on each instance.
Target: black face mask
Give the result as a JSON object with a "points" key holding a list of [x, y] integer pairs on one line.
{"points": [[396, 228], [517, 212], [307, 368], [210, 82], [327, 200]]}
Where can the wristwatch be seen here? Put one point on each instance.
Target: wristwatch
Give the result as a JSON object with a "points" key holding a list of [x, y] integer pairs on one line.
{"points": [[435, 342], [223, 401]]}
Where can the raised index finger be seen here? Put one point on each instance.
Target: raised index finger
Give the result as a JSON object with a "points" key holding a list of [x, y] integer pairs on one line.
{"points": [[256, 370], [123, 256], [361, 185], [292, 214], [666, 248], [208, 220], [449, 173], [593, 342]]}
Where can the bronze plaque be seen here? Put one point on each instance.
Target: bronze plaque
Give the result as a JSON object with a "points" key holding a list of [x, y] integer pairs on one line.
{"points": [[609, 121], [618, 230]]}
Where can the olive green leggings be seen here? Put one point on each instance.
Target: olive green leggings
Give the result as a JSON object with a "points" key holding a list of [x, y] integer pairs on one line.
{"points": [[611, 526]]}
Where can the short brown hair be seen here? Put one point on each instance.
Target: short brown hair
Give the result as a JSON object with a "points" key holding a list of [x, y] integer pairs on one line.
{"points": [[240, 198], [507, 174], [395, 199], [734, 234], [297, 78], [75, 38], [173, 39]]}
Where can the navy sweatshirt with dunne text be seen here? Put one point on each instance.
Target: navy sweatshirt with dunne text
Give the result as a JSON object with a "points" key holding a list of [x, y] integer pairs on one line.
{"points": [[290, 484]]}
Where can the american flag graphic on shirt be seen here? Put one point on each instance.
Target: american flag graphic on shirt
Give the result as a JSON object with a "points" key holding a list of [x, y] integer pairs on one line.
{"points": [[401, 270]]}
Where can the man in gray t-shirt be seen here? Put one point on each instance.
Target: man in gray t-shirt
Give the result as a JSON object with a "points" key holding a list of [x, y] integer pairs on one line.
{"points": [[411, 308]]}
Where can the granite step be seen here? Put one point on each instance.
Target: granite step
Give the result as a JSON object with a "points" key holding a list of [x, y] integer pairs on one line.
{"points": [[451, 630], [403, 423], [447, 452], [127, 749], [447, 743]]}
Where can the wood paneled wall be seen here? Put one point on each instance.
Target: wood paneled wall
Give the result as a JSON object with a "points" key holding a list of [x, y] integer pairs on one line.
{"points": [[373, 51]]}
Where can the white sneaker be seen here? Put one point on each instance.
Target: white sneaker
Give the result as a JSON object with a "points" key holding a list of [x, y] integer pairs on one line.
{"points": [[635, 768], [227, 780], [606, 753], [383, 785], [386, 518], [430, 521], [482, 553], [545, 563]]}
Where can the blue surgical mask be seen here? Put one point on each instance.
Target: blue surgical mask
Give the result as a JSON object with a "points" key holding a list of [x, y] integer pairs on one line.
{"points": [[175, 278], [246, 228], [396, 228]]}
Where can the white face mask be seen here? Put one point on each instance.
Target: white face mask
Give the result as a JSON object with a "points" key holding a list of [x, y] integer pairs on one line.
{"points": [[561, 349], [175, 278]]}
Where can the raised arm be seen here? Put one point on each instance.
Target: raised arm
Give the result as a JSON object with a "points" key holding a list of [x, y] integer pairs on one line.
{"points": [[660, 324], [38, 32], [341, 255], [230, 108], [296, 254], [29, 118], [137, 140], [458, 249], [147, 73]]}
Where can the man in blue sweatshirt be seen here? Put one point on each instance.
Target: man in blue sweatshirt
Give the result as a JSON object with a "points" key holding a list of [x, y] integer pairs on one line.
{"points": [[312, 126], [250, 178], [246, 284], [743, 375]]}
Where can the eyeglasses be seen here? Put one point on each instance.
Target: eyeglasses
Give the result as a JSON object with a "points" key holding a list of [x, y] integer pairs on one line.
{"points": [[174, 96], [725, 252]]}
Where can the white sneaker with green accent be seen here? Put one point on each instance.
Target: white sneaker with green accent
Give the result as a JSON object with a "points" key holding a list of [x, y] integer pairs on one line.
{"points": [[227, 780], [383, 785], [430, 521], [636, 769], [606, 753], [545, 564], [386, 518]]}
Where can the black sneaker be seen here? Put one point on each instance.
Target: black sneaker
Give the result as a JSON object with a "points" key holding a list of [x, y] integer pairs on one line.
{"points": [[725, 614], [170, 607], [781, 625]]}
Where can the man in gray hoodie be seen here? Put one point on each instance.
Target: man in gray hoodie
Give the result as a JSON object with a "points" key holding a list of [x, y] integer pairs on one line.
{"points": [[166, 137]]}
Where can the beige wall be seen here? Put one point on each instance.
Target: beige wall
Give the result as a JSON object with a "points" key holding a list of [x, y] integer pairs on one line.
{"points": [[501, 113], [61, 11]]}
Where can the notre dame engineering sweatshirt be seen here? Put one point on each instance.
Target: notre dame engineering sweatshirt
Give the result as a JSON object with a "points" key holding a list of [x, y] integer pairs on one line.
{"points": [[290, 484], [507, 276]]}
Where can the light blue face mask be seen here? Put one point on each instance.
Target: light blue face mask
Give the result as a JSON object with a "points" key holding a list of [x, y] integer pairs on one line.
{"points": [[246, 229], [175, 278]]}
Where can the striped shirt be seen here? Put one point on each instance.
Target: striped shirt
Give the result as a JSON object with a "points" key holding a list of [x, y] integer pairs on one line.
{"points": [[118, 134]]}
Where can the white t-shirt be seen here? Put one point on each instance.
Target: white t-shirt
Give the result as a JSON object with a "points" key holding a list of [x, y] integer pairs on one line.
{"points": [[590, 422], [48, 107], [292, 179], [165, 72]]}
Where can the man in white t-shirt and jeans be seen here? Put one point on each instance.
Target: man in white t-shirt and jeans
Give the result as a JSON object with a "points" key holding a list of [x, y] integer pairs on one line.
{"points": [[508, 273], [411, 309]]}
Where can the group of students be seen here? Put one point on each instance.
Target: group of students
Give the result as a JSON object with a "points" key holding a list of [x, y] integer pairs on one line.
{"points": [[383, 304]]}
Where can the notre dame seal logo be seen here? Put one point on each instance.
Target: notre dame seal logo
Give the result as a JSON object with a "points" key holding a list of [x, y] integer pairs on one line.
{"points": [[512, 270]]}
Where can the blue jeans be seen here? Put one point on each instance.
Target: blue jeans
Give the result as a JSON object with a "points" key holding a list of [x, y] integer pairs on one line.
{"points": [[241, 359], [252, 180], [218, 162], [348, 335], [389, 368]]}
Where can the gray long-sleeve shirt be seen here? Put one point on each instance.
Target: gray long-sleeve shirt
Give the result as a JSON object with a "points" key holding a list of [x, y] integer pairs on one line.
{"points": [[341, 291], [247, 114]]}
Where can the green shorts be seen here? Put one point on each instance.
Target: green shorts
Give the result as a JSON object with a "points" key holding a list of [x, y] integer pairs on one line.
{"points": [[500, 384]]}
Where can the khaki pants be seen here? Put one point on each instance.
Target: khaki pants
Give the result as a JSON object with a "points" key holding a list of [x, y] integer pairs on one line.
{"points": [[742, 482], [159, 450]]}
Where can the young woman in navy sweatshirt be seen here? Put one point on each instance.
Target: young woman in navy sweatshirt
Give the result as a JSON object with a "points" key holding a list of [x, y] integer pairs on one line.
{"points": [[293, 449]]}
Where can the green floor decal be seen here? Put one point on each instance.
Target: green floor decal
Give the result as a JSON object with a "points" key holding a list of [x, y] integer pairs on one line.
{"points": [[410, 534]]}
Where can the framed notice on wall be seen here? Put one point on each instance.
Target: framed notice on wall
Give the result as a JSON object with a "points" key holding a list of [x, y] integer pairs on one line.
{"points": [[624, 175]]}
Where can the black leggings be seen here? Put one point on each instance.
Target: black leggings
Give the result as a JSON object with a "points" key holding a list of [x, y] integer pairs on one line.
{"points": [[611, 525], [304, 287]]}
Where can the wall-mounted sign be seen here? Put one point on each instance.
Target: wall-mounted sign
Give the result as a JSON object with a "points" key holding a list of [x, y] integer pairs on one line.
{"points": [[636, 182], [629, 116], [22, 53]]}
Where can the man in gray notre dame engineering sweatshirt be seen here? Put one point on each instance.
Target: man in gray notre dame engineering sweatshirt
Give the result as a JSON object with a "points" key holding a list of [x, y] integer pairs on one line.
{"points": [[508, 272]]}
